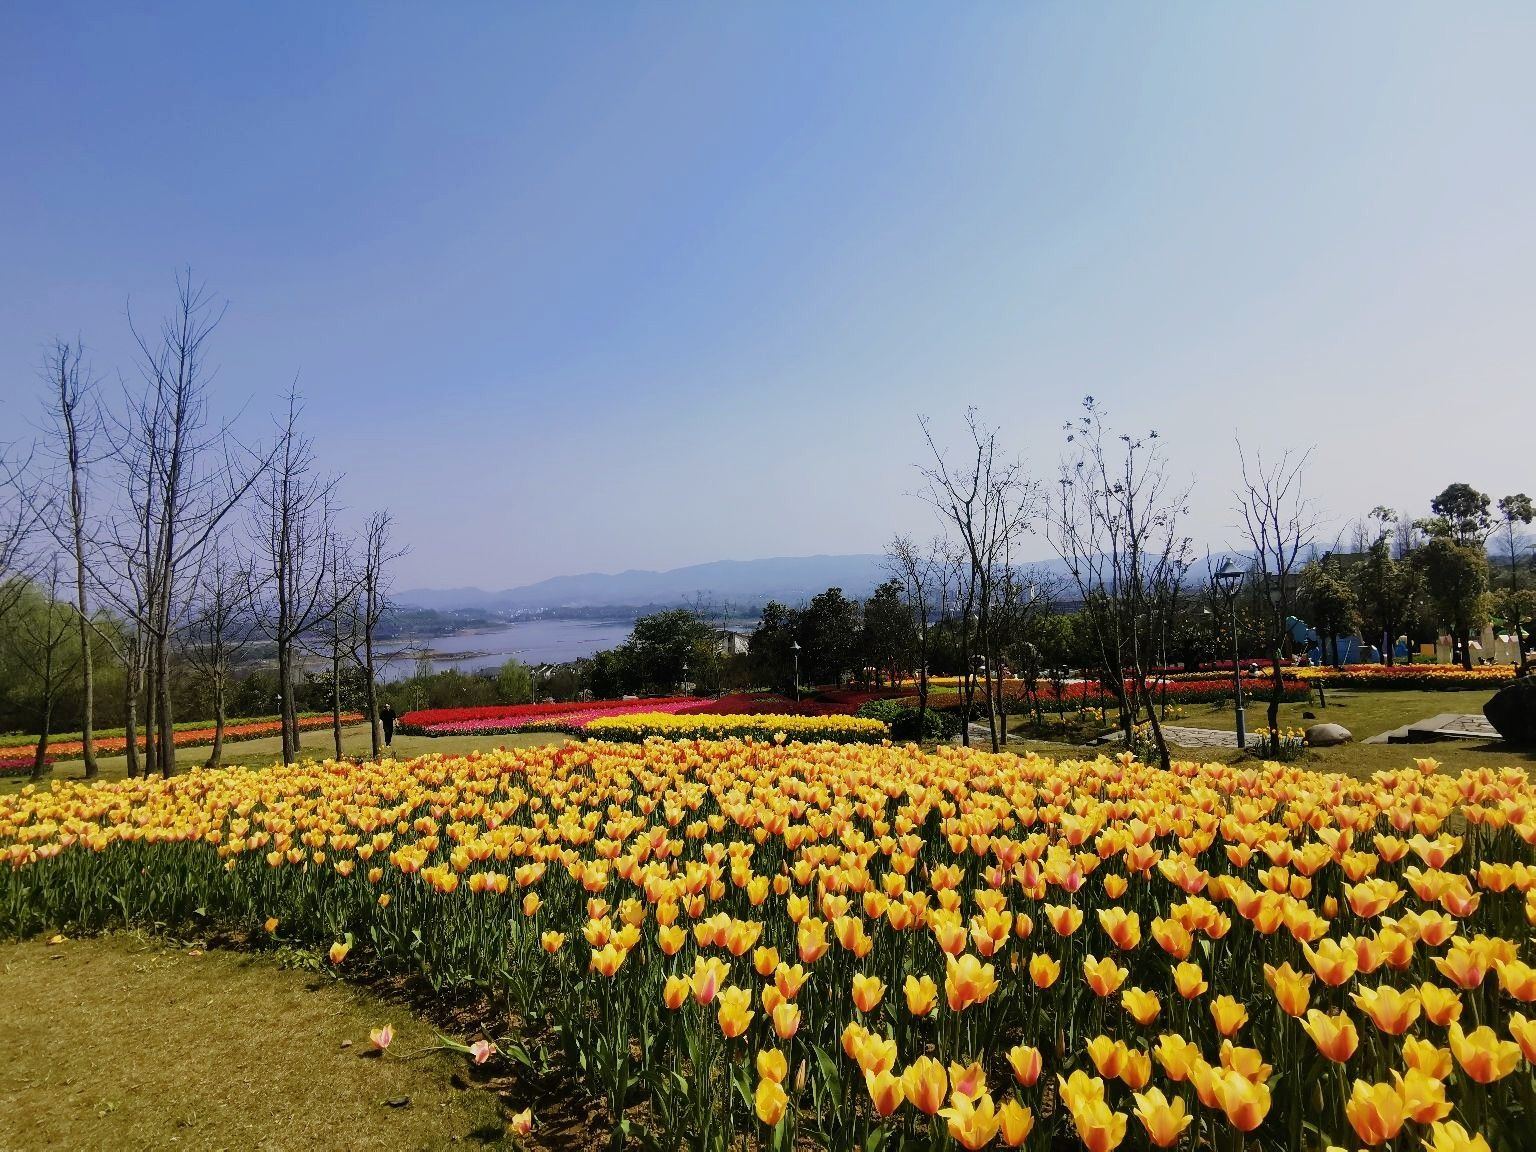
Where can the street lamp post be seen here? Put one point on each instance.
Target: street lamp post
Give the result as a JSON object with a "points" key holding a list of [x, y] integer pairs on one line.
{"points": [[1229, 579], [794, 647]]}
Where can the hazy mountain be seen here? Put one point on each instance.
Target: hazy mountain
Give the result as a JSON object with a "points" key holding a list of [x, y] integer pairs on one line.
{"points": [[787, 578]]}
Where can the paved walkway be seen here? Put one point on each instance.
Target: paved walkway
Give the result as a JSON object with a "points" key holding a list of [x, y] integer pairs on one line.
{"points": [[1199, 737]]}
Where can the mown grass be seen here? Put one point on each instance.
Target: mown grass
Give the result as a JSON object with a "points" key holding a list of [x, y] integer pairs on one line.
{"points": [[1365, 714], [125, 1042]]}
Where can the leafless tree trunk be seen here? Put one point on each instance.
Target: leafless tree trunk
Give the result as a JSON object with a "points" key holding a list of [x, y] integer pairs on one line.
{"points": [[218, 630], [18, 518], [1279, 523], [919, 573], [989, 501], [182, 479], [1116, 528], [292, 529], [373, 603], [75, 423]]}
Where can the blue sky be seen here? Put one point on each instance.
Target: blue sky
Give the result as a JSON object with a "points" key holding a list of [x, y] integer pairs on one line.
{"points": [[575, 287]]}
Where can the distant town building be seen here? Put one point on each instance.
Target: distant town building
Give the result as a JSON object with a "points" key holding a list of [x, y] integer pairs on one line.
{"points": [[728, 643]]}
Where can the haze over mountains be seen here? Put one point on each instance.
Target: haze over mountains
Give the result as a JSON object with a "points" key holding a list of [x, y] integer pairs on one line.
{"points": [[791, 579]]}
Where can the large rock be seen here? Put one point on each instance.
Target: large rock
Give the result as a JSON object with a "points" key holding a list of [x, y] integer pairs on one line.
{"points": [[1513, 711], [1327, 735]]}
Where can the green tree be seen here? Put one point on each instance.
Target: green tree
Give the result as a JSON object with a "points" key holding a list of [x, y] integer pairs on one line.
{"points": [[770, 649], [829, 637], [889, 632], [666, 648], [514, 684], [1386, 588], [1456, 580], [1460, 512], [1513, 510], [1332, 602]]}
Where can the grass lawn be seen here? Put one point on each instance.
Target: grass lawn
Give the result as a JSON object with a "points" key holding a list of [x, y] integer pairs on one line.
{"points": [[354, 742], [124, 1042], [1363, 713]]}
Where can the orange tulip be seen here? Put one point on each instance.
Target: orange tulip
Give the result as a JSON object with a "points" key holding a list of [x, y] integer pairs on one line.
{"points": [[1292, 990], [772, 1065], [967, 981], [1015, 1123], [1333, 964], [922, 994], [676, 991], [867, 992], [1066, 919], [764, 961], [1524, 1033], [1482, 1055], [1335, 1036], [1229, 1015], [1423, 1096], [885, 1091], [1122, 927], [1103, 976], [771, 1101], [1142, 1005], [735, 1011], [1164, 1121], [925, 1083], [1025, 1061], [1428, 1059], [1391, 1010], [1375, 1112], [1449, 1136], [1043, 970], [1441, 1005], [1189, 980], [786, 1020], [1176, 1055], [972, 1123], [970, 1080]]}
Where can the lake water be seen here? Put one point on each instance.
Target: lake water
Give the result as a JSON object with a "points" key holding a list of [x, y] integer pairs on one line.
{"points": [[531, 641]]}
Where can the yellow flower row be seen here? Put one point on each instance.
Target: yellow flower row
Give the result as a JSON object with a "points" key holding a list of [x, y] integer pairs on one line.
{"points": [[931, 946], [638, 726]]}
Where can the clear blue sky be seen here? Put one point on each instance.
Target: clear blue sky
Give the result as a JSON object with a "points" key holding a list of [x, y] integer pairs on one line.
{"points": [[601, 286]]}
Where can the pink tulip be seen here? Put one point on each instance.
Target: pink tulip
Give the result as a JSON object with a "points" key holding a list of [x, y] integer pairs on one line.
{"points": [[382, 1037], [522, 1122], [480, 1051]]}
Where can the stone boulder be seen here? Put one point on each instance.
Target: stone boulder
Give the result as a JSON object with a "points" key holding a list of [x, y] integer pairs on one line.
{"points": [[1513, 711], [1327, 735]]}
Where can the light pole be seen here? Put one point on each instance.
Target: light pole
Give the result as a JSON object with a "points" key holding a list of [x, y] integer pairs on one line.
{"points": [[794, 646], [1229, 579]]}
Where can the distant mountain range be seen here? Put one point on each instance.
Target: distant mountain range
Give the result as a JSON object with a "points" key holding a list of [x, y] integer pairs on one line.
{"points": [[790, 579]]}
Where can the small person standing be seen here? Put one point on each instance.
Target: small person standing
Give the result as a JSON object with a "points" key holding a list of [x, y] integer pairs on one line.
{"points": [[387, 718]]}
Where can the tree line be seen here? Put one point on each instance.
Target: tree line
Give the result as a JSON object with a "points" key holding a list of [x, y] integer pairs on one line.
{"points": [[147, 547]]}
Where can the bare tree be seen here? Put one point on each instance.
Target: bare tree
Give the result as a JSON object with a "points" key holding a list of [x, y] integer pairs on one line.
{"points": [[180, 479], [292, 527], [18, 518], [1115, 523], [75, 423], [1279, 522], [372, 603], [218, 629], [989, 500], [919, 570]]}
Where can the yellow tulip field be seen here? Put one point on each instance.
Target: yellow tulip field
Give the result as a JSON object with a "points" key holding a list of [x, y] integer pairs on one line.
{"points": [[762, 943]]}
